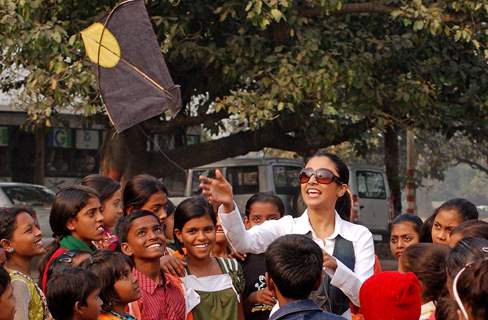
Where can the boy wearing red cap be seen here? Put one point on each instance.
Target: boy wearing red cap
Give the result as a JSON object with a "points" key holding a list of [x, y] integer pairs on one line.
{"points": [[391, 295], [294, 270]]}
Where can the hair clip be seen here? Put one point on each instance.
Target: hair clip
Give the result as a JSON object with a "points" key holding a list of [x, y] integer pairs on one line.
{"points": [[484, 249], [456, 294]]}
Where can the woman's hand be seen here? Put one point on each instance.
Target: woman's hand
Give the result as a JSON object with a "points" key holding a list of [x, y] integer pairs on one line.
{"points": [[218, 190], [263, 296], [173, 265], [330, 262]]}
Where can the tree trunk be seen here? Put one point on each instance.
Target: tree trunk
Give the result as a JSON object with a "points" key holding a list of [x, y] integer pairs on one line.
{"points": [[392, 163], [40, 155]]}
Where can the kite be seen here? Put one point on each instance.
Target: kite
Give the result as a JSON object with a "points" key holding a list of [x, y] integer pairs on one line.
{"points": [[133, 79]]}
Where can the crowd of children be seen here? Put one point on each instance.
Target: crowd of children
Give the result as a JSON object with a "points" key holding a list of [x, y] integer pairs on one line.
{"points": [[125, 252]]}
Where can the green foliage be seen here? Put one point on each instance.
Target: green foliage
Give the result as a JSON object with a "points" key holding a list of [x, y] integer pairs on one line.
{"points": [[420, 64]]}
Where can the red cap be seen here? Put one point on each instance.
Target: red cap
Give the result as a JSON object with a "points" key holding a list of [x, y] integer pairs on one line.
{"points": [[391, 295]]}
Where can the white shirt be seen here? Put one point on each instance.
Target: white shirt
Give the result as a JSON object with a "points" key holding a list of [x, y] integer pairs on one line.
{"points": [[258, 238]]}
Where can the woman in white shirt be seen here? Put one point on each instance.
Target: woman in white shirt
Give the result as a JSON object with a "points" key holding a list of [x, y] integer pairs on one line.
{"points": [[348, 248]]}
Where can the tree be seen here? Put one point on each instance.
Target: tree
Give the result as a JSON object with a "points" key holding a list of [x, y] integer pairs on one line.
{"points": [[298, 75]]}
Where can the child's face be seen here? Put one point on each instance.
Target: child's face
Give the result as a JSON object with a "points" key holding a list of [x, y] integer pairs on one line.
{"points": [[27, 237], [88, 223], [198, 236], [260, 212], [402, 236], [127, 287], [444, 222], [145, 239], [112, 210], [156, 204], [7, 304], [219, 233], [93, 306]]}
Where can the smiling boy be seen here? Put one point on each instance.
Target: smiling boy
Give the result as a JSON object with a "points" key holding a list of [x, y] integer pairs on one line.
{"points": [[142, 238]]}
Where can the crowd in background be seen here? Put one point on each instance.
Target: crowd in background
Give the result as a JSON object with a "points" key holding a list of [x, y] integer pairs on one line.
{"points": [[126, 252]]}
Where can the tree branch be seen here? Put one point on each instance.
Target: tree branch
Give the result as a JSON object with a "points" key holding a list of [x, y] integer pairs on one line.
{"points": [[472, 164], [157, 126]]}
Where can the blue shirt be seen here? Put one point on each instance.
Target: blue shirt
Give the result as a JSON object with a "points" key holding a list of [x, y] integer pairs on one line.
{"points": [[301, 310]]}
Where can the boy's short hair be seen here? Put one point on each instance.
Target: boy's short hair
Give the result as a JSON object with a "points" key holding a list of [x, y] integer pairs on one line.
{"points": [[66, 288], [4, 280], [124, 223], [294, 262]]}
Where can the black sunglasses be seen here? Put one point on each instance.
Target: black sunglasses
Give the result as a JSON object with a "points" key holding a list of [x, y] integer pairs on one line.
{"points": [[322, 176]]}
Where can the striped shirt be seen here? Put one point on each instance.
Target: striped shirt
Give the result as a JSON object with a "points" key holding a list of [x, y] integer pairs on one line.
{"points": [[160, 301]]}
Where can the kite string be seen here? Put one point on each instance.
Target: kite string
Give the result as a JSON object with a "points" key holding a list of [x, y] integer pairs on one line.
{"points": [[148, 137]]}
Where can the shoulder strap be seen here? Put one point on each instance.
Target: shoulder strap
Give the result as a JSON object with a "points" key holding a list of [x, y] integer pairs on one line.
{"points": [[55, 255]]}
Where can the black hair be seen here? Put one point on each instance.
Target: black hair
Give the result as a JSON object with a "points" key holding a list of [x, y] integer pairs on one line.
{"points": [[170, 208], [426, 230], [191, 208], [428, 262], [105, 186], [8, 220], [266, 197], [294, 262], [410, 218], [4, 280], [472, 287], [123, 225], [465, 209], [66, 288], [68, 202], [446, 309], [109, 267], [472, 229], [343, 204], [139, 189], [466, 251]]}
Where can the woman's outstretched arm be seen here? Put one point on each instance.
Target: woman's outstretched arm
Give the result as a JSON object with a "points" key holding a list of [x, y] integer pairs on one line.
{"points": [[255, 240]]}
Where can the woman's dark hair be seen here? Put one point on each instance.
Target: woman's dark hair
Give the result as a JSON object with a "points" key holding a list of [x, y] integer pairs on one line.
{"points": [[472, 287], [428, 262], [465, 209], [4, 280], [8, 220], [343, 204], [466, 251], [66, 288], [426, 230], [68, 202], [266, 197], [191, 208], [109, 267], [105, 186], [139, 189], [472, 229], [123, 225], [410, 218]]}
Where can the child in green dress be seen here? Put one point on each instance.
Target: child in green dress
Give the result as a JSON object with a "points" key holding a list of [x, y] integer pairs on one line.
{"points": [[21, 238], [217, 281]]}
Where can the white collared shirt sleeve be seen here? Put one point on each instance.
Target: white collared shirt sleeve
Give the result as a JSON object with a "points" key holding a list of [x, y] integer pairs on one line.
{"points": [[256, 239], [348, 281]]}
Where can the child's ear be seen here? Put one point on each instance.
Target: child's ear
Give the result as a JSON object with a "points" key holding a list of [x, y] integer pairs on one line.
{"points": [[126, 249], [77, 311], [270, 284], [71, 224], [178, 235], [246, 222], [6, 245]]}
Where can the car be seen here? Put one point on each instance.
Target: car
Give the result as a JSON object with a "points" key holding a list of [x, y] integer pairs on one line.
{"points": [[35, 196]]}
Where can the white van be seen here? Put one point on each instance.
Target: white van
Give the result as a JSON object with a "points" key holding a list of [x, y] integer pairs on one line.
{"points": [[368, 185]]}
